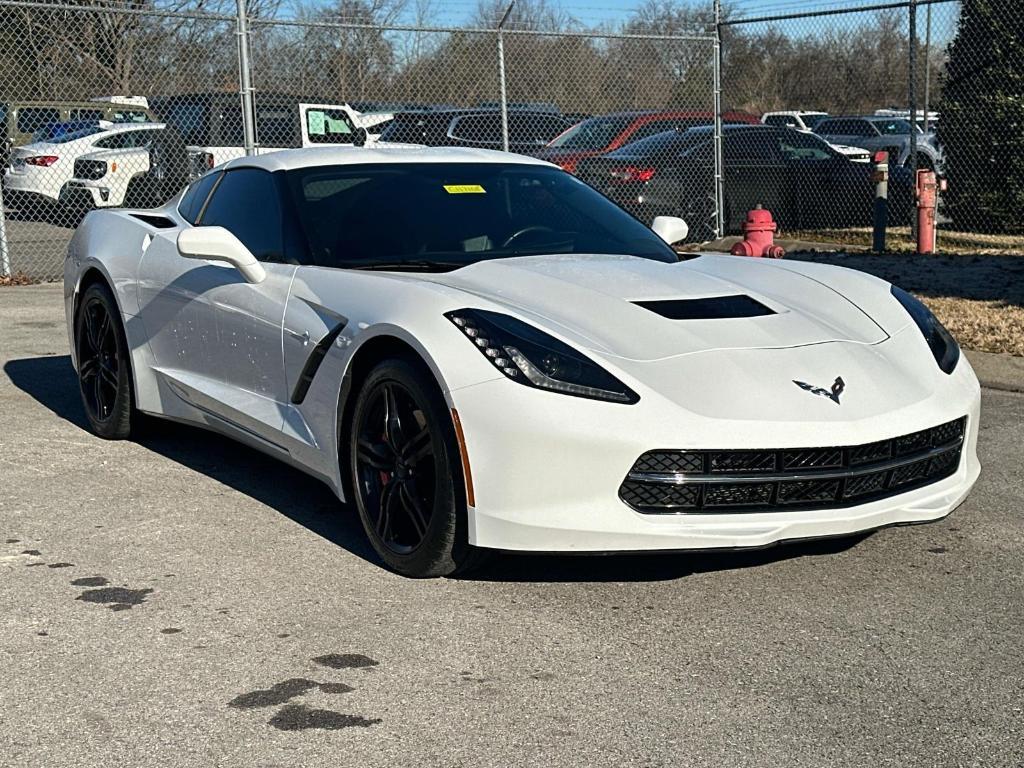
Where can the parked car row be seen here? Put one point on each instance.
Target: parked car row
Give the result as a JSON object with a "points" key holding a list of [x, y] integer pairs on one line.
{"points": [[809, 168], [802, 179]]}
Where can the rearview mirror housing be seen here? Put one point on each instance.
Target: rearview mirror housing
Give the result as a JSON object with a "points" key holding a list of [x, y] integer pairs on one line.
{"points": [[671, 229], [359, 138], [218, 244]]}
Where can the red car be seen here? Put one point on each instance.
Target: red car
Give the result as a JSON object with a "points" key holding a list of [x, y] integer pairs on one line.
{"points": [[598, 135]]}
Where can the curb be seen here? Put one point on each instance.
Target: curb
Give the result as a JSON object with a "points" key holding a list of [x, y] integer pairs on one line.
{"points": [[998, 371]]}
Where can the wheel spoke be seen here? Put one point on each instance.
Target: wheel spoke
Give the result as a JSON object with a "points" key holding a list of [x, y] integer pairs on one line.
{"points": [[90, 328], [103, 330], [97, 393], [376, 455], [109, 375], [418, 448], [89, 367], [413, 509], [392, 420], [387, 500]]}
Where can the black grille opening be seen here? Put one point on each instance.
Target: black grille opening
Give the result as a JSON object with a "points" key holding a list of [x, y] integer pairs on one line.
{"points": [[714, 308], [679, 481]]}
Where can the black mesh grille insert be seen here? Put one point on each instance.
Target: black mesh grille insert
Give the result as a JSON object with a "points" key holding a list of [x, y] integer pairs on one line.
{"points": [[673, 481]]}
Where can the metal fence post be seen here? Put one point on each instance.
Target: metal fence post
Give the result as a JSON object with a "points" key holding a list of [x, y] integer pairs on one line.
{"points": [[717, 86], [5, 254], [501, 77], [245, 81], [912, 86]]}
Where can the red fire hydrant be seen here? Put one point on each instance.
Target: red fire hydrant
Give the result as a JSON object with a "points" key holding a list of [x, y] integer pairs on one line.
{"points": [[758, 236]]}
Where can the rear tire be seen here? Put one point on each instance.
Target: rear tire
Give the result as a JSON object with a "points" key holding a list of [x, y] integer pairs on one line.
{"points": [[104, 372], [406, 473]]}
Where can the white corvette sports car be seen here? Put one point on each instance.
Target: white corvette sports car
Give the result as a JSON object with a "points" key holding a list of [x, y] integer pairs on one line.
{"points": [[482, 352]]}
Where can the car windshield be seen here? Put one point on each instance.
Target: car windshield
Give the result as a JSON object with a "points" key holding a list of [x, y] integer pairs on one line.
{"points": [[595, 133], [440, 216]]}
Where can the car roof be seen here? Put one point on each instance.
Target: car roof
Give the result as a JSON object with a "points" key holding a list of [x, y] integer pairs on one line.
{"points": [[288, 159]]}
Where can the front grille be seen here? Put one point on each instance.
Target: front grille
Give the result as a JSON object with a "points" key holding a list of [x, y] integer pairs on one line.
{"points": [[684, 481]]}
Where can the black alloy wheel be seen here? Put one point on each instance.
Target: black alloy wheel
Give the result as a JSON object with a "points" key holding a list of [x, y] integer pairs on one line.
{"points": [[396, 466], [103, 375], [406, 472]]}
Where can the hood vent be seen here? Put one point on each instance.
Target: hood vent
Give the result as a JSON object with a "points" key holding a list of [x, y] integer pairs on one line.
{"points": [[714, 308]]}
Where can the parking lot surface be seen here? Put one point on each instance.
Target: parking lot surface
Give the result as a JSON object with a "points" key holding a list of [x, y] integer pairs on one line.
{"points": [[184, 601]]}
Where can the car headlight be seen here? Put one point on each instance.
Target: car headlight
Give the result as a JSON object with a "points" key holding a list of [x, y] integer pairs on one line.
{"points": [[940, 341], [535, 359]]}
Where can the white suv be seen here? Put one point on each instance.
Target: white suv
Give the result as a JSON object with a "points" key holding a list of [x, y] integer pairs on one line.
{"points": [[39, 171]]}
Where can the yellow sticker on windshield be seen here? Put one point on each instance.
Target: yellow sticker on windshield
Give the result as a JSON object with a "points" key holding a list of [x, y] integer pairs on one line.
{"points": [[464, 189]]}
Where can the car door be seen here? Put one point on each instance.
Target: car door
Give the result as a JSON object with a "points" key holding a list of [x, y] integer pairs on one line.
{"points": [[218, 335], [248, 203]]}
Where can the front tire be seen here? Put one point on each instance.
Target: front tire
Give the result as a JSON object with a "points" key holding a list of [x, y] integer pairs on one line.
{"points": [[104, 374], [405, 469]]}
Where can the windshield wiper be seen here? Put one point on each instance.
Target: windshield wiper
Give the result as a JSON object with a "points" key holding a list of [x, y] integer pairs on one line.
{"points": [[408, 265]]}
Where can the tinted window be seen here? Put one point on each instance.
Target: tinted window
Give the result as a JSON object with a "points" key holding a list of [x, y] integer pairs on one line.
{"points": [[801, 147], [486, 129], [780, 120], [669, 143], [246, 203], [31, 119], [750, 146], [416, 129], [192, 201], [449, 215]]}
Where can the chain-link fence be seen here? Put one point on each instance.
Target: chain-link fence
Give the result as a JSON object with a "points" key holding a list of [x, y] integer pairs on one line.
{"points": [[106, 104]]}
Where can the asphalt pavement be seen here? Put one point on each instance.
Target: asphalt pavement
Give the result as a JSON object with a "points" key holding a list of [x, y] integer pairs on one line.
{"points": [[185, 601]]}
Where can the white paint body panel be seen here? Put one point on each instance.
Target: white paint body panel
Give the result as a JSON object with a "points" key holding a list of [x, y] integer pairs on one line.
{"points": [[212, 349]]}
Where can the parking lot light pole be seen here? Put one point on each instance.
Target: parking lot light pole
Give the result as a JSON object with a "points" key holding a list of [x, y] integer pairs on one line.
{"points": [[912, 93], [501, 77], [245, 80]]}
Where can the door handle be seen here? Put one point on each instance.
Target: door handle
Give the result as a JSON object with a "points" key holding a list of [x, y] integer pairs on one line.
{"points": [[303, 337]]}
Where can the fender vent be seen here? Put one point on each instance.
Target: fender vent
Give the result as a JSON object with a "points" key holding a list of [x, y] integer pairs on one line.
{"points": [[714, 308], [160, 222]]}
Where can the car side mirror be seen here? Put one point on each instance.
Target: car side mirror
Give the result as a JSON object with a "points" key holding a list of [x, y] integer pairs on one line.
{"points": [[218, 244], [671, 229], [359, 138]]}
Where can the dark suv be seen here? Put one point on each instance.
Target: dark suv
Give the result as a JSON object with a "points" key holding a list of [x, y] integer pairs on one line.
{"points": [[529, 131]]}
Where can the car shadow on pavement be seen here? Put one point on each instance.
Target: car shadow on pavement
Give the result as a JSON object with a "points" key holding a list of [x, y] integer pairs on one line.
{"points": [[307, 501]]}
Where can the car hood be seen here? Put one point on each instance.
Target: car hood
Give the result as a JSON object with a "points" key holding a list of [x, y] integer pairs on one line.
{"points": [[592, 301]]}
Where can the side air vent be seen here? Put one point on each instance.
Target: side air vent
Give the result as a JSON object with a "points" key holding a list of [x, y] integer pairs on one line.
{"points": [[714, 308], [160, 222]]}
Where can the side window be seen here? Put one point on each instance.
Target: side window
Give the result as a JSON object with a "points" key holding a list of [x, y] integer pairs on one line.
{"points": [[482, 129], [31, 119], [862, 128], [192, 201], [798, 147], [750, 146], [246, 203], [779, 120], [329, 126], [129, 116], [546, 128], [117, 141]]}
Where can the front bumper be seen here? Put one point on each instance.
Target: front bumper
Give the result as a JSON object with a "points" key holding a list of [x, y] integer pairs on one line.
{"points": [[546, 469]]}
